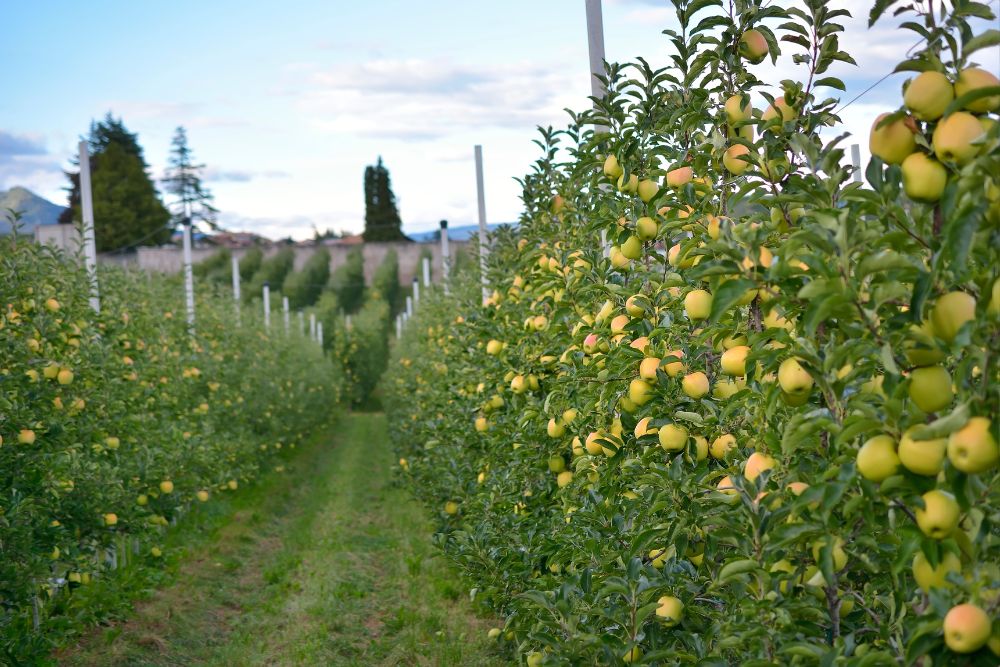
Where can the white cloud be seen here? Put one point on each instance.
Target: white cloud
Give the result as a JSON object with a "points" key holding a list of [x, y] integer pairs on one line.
{"points": [[418, 99]]}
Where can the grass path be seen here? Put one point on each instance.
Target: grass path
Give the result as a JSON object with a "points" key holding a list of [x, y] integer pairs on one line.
{"points": [[333, 565]]}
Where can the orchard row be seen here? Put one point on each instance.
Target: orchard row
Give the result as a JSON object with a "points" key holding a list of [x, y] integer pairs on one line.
{"points": [[760, 427]]}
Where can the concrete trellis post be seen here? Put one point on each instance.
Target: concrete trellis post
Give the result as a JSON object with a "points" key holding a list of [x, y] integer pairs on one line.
{"points": [[319, 333], [347, 322], [188, 275], [312, 326], [267, 306], [445, 255], [89, 241], [284, 308], [416, 292], [399, 326], [236, 287], [427, 271], [595, 47], [409, 306], [481, 203], [302, 322], [856, 161]]}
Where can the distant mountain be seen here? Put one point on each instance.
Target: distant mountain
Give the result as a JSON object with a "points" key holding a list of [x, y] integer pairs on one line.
{"points": [[463, 233], [35, 210]]}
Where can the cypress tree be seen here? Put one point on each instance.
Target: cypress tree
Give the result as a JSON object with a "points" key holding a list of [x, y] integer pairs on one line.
{"points": [[127, 206], [382, 222]]}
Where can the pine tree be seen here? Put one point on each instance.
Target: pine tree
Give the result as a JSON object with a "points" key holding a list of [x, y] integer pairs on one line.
{"points": [[382, 221], [193, 201], [127, 208]]}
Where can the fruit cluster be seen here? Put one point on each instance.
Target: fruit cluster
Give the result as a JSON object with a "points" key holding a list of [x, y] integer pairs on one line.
{"points": [[760, 427], [112, 424]]}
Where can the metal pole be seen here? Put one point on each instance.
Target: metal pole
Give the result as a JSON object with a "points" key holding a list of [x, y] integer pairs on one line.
{"points": [[236, 286], [481, 198], [89, 242], [595, 45], [445, 255], [267, 305], [188, 275], [427, 271], [284, 307], [856, 160], [416, 292]]}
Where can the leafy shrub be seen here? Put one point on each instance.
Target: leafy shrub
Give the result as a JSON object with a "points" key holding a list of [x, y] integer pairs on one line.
{"points": [[303, 287]]}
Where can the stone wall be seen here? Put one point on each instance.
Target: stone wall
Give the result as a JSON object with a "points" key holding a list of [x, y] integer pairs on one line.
{"points": [[168, 260]]}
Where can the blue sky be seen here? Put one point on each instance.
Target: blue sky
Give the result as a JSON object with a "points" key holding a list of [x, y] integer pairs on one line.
{"points": [[286, 102]]}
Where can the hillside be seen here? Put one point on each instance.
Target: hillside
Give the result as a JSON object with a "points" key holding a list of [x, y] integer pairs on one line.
{"points": [[34, 209]]}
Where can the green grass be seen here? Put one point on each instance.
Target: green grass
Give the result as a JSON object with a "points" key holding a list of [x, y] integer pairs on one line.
{"points": [[330, 564]]}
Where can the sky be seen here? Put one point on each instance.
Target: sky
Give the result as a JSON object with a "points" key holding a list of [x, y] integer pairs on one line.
{"points": [[287, 102]]}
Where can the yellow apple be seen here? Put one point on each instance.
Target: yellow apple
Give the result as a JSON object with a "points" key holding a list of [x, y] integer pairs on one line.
{"points": [[954, 136], [939, 515], [700, 447], [974, 78], [780, 111], [519, 384], [643, 428], [203, 495], [65, 376], [592, 446], [877, 458], [972, 448], [673, 438], [451, 507], [647, 189], [950, 312], [640, 392], [633, 305], [893, 142], [629, 186], [679, 177], [839, 555], [924, 178], [482, 425], [733, 160], [647, 368], [698, 304], [674, 368], [612, 169], [494, 347], [166, 486], [556, 464], [922, 457], [564, 478], [632, 248], [618, 324], [967, 628], [928, 95], [734, 360], [669, 610], [634, 654], [756, 464], [738, 109], [928, 577], [26, 437], [110, 519], [727, 487], [695, 384], [930, 388], [723, 446], [555, 428], [753, 47], [645, 227], [793, 378]]}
